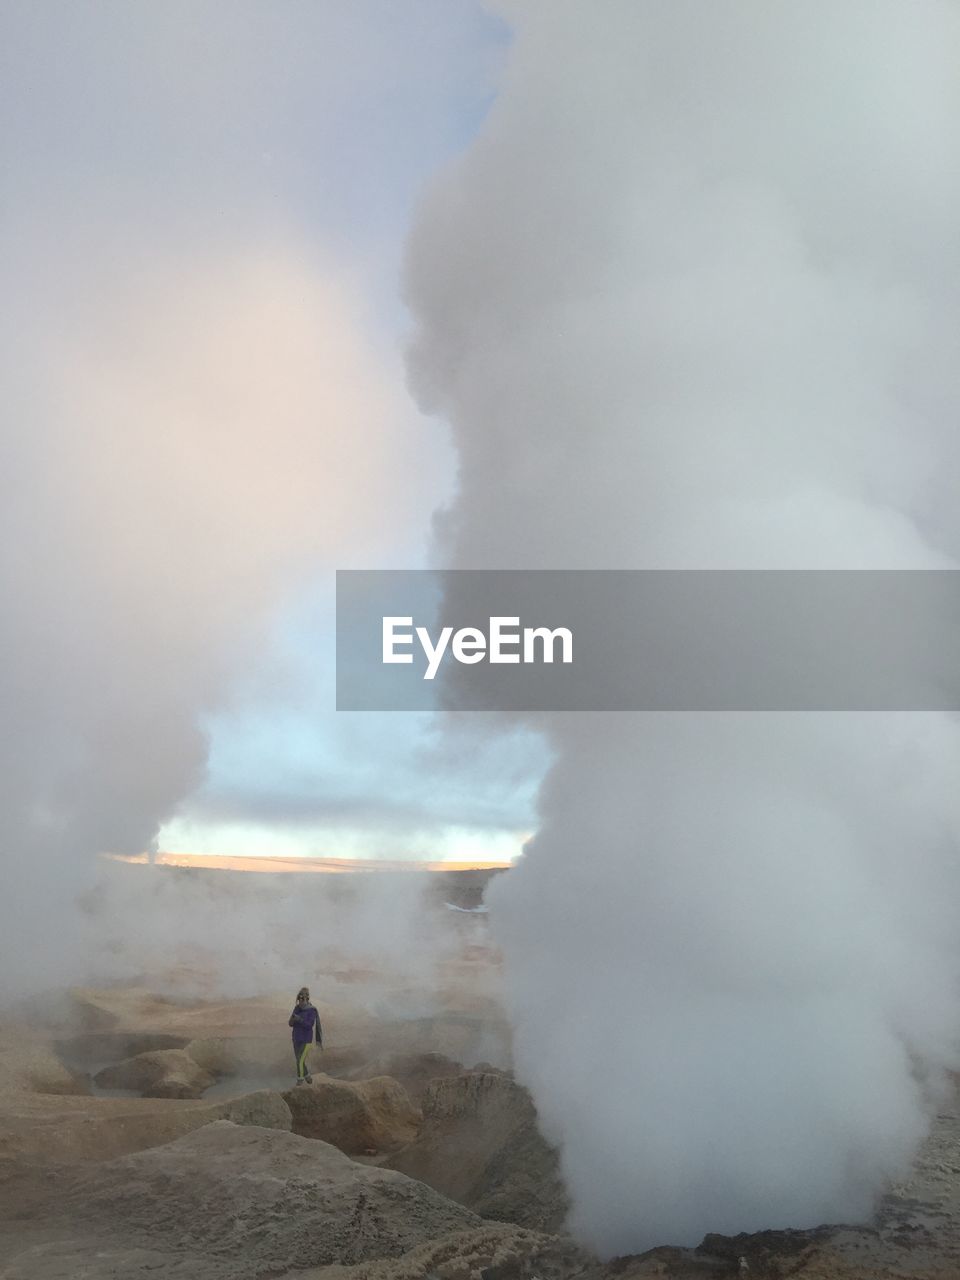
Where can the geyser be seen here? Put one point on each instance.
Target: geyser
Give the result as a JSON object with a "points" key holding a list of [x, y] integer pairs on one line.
{"points": [[687, 302]]}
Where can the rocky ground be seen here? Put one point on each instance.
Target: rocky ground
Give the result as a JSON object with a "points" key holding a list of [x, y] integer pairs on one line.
{"points": [[479, 1144], [149, 1136]]}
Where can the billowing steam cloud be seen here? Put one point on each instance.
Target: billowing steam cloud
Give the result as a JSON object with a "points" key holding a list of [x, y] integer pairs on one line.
{"points": [[200, 225], [184, 446], [689, 301]]}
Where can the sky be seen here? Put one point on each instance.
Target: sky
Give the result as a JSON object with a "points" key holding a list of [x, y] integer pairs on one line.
{"points": [[289, 777], [146, 145]]}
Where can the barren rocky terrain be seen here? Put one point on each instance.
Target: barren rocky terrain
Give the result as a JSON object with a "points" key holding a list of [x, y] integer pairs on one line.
{"points": [[161, 1135]]}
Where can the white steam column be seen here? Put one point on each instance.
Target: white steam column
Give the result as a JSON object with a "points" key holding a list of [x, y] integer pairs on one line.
{"points": [[689, 302]]}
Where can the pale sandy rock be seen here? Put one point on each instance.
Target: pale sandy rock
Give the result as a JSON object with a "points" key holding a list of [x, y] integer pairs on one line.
{"points": [[358, 1116], [480, 1145], [226, 1203], [164, 1073], [29, 1064], [52, 1130]]}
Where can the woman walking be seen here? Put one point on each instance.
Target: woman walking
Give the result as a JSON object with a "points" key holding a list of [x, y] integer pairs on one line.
{"points": [[305, 1022]]}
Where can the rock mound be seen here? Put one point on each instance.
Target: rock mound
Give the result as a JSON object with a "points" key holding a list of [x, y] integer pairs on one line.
{"points": [[481, 1146], [230, 1202], [359, 1117], [70, 1130], [164, 1073], [29, 1066]]}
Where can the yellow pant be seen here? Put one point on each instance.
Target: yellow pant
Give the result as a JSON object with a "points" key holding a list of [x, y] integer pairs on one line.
{"points": [[300, 1053]]}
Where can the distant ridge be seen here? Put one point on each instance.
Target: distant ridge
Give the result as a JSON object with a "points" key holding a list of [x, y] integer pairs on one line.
{"points": [[330, 866]]}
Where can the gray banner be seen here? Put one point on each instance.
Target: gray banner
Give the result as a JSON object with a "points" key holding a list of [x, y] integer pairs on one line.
{"points": [[648, 641]]}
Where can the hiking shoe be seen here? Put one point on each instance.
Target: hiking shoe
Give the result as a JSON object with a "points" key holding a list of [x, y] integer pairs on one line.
{"points": [[299, 1081], [309, 1079]]}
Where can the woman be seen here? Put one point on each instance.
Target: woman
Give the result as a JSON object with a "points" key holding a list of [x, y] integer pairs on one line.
{"points": [[305, 1021]]}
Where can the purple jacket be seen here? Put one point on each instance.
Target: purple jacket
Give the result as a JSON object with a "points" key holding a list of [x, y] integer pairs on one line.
{"points": [[305, 1020]]}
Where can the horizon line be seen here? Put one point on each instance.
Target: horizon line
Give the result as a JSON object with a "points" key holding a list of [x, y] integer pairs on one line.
{"points": [[268, 864]]}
